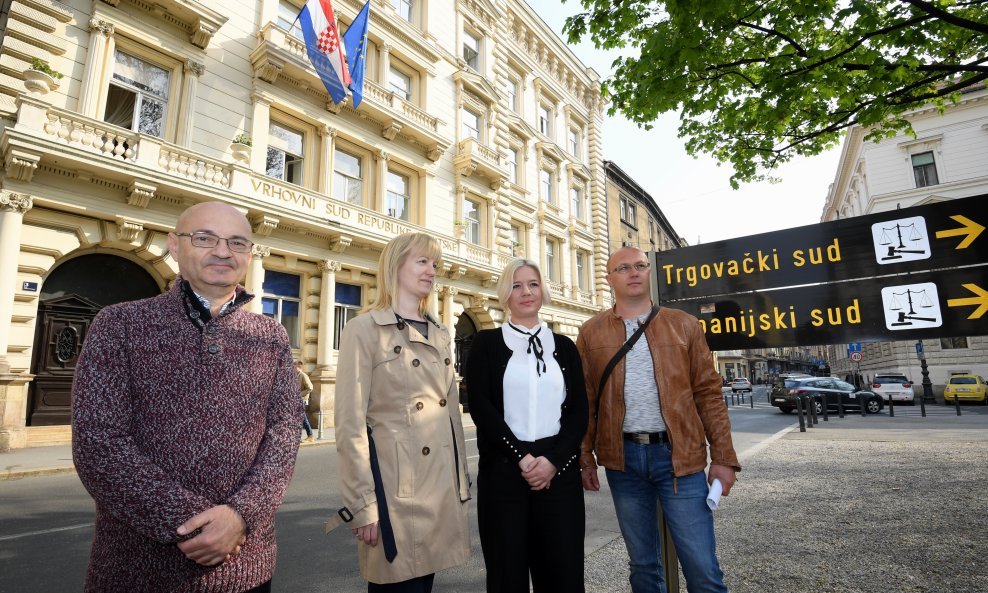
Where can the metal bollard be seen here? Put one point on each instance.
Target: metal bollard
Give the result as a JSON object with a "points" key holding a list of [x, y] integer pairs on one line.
{"points": [[812, 408], [957, 404], [862, 403], [799, 413], [840, 405], [891, 407], [320, 424], [752, 400], [922, 406], [826, 404], [725, 400]]}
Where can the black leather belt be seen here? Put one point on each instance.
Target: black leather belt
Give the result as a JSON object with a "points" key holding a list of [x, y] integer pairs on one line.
{"points": [[646, 438]]}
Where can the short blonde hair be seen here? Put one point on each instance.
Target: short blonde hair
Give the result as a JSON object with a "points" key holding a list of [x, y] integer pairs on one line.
{"points": [[508, 278], [394, 255]]}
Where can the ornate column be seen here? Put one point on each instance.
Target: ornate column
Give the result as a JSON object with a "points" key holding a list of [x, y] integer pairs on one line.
{"points": [[255, 276], [100, 53], [385, 65], [190, 87], [327, 306], [327, 136], [13, 395], [382, 158], [12, 209], [448, 292], [260, 126]]}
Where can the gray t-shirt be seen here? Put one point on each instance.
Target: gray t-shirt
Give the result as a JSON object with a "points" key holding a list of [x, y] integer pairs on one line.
{"points": [[641, 394]]}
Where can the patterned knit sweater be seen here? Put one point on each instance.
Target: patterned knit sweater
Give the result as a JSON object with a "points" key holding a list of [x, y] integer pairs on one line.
{"points": [[173, 413]]}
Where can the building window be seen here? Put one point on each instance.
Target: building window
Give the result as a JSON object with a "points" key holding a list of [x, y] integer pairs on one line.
{"points": [[511, 159], [471, 216], [924, 169], [628, 211], [551, 249], [348, 305], [288, 19], [284, 159], [511, 90], [348, 178], [403, 8], [517, 239], [545, 121], [398, 196], [953, 343], [545, 186], [400, 83], [651, 233], [576, 196], [471, 124], [573, 142], [138, 95], [582, 279], [471, 50], [281, 301]]}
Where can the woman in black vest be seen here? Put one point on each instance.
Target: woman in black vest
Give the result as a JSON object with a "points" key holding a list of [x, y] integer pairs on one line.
{"points": [[528, 400]]}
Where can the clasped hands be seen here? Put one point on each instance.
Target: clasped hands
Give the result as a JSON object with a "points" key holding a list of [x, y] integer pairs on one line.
{"points": [[537, 471], [222, 533]]}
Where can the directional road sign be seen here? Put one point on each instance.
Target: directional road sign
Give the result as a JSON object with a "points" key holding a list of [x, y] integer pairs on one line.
{"points": [[942, 235], [908, 306]]}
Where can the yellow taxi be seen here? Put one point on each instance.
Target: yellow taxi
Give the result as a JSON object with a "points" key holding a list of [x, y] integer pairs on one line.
{"points": [[965, 388]]}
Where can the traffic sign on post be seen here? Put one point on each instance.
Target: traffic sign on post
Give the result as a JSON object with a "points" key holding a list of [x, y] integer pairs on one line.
{"points": [[856, 357]]}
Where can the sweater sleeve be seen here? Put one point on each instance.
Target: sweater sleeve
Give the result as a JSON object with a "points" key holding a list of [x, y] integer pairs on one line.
{"points": [[263, 487], [484, 381], [122, 480], [573, 417]]}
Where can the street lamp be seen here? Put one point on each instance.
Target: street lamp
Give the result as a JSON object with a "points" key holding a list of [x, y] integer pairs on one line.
{"points": [[927, 384]]}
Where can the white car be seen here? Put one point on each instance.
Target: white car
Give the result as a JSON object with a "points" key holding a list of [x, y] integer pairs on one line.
{"points": [[893, 385], [740, 384]]}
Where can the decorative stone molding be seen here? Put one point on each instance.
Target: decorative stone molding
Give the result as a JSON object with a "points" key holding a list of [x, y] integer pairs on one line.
{"points": [[21, 164], [391, 131], [140, 193], [478, 301], [260, 251], [435, 153], [128, 229], [330, 265], [491, 280], [18, 203], [194, 67], [104, 28], [339, 244], [457, 271], [449, 291], [263, 224], [268, 68]]}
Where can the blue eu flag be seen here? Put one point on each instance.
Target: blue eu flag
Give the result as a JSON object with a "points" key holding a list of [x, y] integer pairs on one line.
{"points": [[355, 42]]}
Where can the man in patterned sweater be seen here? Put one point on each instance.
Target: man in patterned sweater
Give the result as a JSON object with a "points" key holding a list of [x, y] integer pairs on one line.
{"points": [[185, 414]]}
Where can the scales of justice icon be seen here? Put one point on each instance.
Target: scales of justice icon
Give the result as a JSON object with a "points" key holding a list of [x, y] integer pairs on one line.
{"points": [[908, 318], [898, 246]]}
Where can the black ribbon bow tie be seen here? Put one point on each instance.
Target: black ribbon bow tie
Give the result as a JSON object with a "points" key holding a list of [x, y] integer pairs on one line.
{"points": [[534, 345]]}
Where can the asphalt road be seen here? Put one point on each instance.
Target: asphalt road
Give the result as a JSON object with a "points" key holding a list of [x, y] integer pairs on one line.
{"points": [[46, 522]]}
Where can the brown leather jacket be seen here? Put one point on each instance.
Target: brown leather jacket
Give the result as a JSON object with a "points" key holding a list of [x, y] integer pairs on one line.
{"points": [[689, 392]]}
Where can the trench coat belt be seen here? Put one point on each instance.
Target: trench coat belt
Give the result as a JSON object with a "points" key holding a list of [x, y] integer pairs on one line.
{"points": [[384, 520]]}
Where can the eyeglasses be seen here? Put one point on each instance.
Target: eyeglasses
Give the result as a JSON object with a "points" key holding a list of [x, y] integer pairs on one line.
{"points": [[209, 240], [641, 266]]}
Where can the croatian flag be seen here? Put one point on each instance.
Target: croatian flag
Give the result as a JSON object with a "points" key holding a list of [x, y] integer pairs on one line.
{"points": [[322, 44]]}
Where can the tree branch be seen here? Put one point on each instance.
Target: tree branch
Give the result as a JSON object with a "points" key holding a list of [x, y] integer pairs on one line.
{"points": [[774, 33], [943, 15]]}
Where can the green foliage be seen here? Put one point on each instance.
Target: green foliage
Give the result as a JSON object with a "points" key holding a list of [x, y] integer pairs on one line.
{"points": [[42, 66], [760, 82], [244, 139]]}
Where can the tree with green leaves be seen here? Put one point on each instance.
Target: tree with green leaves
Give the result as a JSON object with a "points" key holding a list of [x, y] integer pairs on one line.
{"points": [[760, 82]]}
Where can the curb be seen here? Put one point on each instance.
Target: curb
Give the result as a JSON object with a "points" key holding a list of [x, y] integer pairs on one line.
{"points": [[17, 474]]}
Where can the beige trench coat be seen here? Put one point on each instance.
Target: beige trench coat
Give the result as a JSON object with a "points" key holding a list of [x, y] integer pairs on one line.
{"points": [[402, 386]]}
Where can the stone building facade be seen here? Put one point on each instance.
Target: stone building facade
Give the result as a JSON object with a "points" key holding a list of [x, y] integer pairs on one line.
{"points": [[478, 125]]}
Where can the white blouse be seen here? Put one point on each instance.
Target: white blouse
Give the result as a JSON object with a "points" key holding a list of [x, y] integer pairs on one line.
{"points": [[532, 402]]}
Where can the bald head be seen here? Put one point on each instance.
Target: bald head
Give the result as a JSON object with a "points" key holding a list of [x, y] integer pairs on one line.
{"points": [[206, 212], [622, 253]]}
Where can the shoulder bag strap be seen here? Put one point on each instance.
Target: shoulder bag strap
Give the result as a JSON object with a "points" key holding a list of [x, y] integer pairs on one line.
{"points": [[625, 348]]}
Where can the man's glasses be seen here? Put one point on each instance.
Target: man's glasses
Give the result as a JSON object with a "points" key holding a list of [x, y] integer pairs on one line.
{"points": [[641, 266], [209, 240]]}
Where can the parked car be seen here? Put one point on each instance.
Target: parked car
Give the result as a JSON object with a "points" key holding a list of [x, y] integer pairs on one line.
{"points": [[965, 387], [895, 385], [740, 384], [824, 389]]}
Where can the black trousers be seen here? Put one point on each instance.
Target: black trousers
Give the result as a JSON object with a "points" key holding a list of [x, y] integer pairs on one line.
{"points": [[416, 585], [525, 532]]}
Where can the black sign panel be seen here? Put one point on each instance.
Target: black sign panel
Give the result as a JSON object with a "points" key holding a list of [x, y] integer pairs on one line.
{"points": [[942, 235], [910, 306]]}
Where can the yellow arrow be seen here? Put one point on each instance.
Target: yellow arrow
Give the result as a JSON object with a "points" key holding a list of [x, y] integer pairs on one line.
{"points": [[969, 228], [981, 300]]}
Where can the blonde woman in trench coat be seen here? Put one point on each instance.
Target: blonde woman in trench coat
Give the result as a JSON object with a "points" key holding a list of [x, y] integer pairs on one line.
{"points": [[396, 397]]}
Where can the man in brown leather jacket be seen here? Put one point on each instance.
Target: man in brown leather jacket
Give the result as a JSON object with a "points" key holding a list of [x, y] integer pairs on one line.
{"points": [[650, 424]]}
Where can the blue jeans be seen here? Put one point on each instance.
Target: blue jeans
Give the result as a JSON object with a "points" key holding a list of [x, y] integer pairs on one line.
{"points": [[647, 482]]}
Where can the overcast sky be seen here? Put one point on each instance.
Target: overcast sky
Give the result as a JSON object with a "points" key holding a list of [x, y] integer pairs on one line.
{"points": [[695, 194]]}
